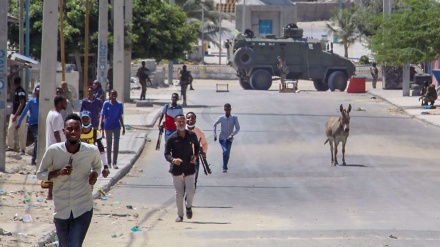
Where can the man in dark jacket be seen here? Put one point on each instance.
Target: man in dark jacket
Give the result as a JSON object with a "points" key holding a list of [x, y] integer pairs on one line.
{"points": [[181, 151]]}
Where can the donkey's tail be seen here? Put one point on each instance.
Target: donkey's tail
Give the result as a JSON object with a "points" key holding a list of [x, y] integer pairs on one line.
{"points": [[326, 141]]}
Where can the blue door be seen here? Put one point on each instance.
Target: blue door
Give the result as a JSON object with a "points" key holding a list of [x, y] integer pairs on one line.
{"points": [[265, 27]]}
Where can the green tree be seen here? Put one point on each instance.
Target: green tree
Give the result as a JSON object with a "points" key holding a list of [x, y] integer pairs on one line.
{"points": [[210, 27], [343, 25], [161, 31], [158, 30], [409, 35]]}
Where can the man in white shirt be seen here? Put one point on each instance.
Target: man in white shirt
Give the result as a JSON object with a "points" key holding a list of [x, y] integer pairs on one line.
{"points": [[73, 166], [54, 128]]}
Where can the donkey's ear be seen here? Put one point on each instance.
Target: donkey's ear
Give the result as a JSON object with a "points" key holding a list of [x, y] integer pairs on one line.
{"points": [[349, 107], [341, 108]]}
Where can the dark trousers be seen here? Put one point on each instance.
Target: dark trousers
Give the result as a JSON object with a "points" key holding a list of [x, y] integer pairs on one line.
{"points": [[34, 131], [71, 232], [143, 88]]}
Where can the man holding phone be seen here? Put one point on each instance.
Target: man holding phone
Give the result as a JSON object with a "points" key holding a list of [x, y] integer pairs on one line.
{"points": [[73, 166]]}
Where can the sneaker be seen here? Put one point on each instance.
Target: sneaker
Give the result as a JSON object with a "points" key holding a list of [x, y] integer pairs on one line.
{"points": [[179, 219], [225, 171], [33, 163], [9, 149], [115, 166], [191, 89], [189, 213], [22, 152]]}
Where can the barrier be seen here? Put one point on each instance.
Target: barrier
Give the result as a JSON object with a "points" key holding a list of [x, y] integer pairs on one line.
{"points": [[356, 85]]}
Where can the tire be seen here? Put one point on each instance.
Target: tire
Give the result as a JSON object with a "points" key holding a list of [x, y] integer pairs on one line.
{"points": [[337, 80], [261, 79], [244, 58], [320, 86], [245, 84]]}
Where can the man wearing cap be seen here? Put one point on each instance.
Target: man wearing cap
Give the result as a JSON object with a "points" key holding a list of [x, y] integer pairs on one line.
{"points": [[92, 135], [98, 91], [92, 105]]}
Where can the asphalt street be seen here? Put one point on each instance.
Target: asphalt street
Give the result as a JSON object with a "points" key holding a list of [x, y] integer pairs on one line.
{"points": [[281, 189]]}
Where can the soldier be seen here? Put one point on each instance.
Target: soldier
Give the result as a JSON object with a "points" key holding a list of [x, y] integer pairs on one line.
{"points": [[185, 79], [142, 74], [374, 73]]}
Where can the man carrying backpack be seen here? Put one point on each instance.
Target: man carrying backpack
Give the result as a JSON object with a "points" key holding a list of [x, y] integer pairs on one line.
{"points": [[185, 79]]}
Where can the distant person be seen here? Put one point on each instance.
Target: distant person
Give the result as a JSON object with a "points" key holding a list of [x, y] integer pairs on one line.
{"points": [[112, 116], [67, 93], [98, 91], [68, 109], [18, 104], [32, 107], [181, 151], [54, 128], [170, 111], [73, 166], [93, 105], [229, 128], [374, 73], [110, 78], [191, 120], [142, 74], [185, 79]]}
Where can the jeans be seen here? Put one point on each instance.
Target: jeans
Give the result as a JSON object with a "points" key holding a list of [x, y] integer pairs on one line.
{"points": [[183, 185], [226, 147], [109, 137], [71, 232], [34, 131], [168, 133]]}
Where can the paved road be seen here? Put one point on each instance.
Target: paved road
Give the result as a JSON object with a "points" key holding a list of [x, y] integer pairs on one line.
{"points": [[281, 189]]}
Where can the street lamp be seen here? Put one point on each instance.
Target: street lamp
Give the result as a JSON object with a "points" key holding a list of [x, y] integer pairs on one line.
{"points": [[220, 34], [203, 31]]}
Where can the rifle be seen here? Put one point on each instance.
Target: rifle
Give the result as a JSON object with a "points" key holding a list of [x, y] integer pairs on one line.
{"points": [[203, 160], [159, 138]]}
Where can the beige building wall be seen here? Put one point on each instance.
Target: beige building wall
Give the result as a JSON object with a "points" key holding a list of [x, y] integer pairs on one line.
{"points": [[279, 14]]}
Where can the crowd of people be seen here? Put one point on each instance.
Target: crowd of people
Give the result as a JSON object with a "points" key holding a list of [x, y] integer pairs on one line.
{"points": [[73, 151]]}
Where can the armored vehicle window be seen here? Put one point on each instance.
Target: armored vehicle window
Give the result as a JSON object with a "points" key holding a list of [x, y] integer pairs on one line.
{"points": [[310, 46], [272, 44], [262, 44]]}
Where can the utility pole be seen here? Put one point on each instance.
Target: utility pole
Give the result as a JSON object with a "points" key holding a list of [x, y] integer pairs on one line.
{"points": [[243, 17], [220, 34], [203, 30], [86, 52], [27, 41], [3, 80], [21, 35], [62, 49], [103, 43], [48, 69], [170, 62], [118, 49], [127, 59]]}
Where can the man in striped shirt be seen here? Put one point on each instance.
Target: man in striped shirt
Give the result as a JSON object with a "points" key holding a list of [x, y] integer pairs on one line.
{"points": [[229, 128]]}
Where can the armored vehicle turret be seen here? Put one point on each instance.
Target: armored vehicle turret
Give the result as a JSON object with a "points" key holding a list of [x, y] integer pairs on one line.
{"points": [[255, 60]]}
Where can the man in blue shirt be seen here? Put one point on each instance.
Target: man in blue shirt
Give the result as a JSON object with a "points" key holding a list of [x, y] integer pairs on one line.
{"points": [[227, 122], [32, 106], [111, 115], [93, 105]]}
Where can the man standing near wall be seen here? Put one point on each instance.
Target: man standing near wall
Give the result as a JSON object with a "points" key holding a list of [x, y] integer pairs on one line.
{"points": [[18, 103], [142, 74]]}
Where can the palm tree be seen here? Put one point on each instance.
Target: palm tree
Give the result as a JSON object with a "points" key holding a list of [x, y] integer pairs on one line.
{"points": [[210, 27], [343, 25]]}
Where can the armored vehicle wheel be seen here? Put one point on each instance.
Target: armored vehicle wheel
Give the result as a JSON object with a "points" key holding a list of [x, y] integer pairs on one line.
{"points": [[261, 79], [320, 86], [245, 84], [244, 58], [337, 80]]}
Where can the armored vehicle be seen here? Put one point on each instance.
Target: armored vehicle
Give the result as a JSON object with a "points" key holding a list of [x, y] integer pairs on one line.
{"points": [[255, 60]]}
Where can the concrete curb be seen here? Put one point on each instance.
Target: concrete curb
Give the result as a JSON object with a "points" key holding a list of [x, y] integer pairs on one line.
{"points": [[50, 237], [403, 110], [158, 113]]}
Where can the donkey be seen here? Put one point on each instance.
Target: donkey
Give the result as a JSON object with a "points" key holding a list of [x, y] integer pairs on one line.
{"points": [[337, 130]]}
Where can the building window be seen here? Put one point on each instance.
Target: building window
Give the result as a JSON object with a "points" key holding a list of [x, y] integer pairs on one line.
{"points": [[265, 27]]}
